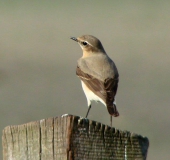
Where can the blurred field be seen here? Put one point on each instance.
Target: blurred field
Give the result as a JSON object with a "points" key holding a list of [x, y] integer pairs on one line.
{"points": [[38, 61]]}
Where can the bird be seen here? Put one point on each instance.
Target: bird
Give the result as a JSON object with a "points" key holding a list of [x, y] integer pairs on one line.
{"points": [[98, 74]]}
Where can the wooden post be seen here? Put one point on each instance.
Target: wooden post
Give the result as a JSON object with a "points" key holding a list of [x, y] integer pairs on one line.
{"points": [[71, 138]]}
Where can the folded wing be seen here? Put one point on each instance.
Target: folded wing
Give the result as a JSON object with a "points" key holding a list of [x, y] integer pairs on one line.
{"points": [[106, 89]]}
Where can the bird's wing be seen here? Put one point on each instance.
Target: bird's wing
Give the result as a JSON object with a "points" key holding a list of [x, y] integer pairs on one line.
{"points": [[99, 66], [105, 90]]}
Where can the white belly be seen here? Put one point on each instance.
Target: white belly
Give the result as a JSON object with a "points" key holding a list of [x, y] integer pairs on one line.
{"points": [[90, 95]]}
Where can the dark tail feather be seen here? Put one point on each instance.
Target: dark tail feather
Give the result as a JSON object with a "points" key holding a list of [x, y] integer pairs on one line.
{"points": [[112, 110]]}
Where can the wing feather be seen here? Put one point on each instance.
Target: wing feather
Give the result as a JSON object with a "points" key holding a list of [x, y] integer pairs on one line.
{"points": [[105, 90]]}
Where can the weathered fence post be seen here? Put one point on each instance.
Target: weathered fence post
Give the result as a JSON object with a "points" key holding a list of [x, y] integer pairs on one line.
{"points": [[71, 138]]}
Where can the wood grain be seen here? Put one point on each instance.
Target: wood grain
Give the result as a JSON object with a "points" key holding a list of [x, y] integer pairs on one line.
{"points": [[71, 138]]}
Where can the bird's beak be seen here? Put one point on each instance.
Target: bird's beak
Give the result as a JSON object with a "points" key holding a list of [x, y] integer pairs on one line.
{"points": [[73, 38]]}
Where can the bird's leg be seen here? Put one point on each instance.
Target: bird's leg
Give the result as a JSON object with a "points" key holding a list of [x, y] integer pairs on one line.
{"points": [[110, 121], [89, 107]]}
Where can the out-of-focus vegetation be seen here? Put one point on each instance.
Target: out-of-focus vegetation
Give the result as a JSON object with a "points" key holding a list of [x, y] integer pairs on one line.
{"points": [[38, 61]]}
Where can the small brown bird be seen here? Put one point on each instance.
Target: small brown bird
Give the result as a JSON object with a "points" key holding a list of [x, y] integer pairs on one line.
{"points": [[98, 73]]}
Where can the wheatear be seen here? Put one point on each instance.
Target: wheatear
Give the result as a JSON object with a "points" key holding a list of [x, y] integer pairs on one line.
{"points": [[98, 73]]}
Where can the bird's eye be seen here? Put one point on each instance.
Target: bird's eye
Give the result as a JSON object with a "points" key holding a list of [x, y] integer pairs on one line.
{"points": [[84, 43]]}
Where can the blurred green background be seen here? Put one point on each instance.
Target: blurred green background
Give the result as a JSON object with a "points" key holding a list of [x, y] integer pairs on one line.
{"points": [[38, 61]]}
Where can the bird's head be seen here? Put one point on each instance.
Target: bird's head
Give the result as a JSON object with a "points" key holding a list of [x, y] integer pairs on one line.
{"points": [[89, 44]]}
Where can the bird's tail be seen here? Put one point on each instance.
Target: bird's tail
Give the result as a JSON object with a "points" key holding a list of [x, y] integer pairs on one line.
{"points": [[112, 110]]}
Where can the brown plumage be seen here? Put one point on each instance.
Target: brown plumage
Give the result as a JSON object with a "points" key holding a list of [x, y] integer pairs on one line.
{"points": [[105, 90], [98, 74]]}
